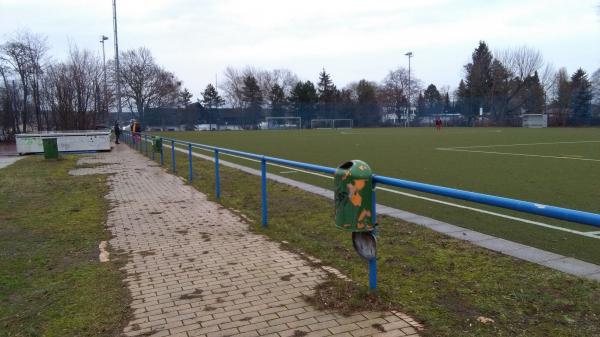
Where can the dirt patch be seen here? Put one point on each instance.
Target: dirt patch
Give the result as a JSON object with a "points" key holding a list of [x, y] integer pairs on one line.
{"points": [[346, 297], [299, 333], [378, 327], [286, 277]]}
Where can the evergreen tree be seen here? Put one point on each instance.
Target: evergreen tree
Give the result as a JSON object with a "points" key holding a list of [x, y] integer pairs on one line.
{"points": [[367, 110], [562, 95], [304, 98], [186, 97], [463, 100], [421, 105], [278, 101], [252, 98], [327, 94], [581, 97], [534, 99], [478, 80], [499, 95], [447, 106], [432, 101], [212, 101]]}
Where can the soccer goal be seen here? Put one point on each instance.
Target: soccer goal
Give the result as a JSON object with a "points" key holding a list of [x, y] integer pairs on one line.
{"points": [[331, 123], [321, 123], [284, 122], [534, 120]]}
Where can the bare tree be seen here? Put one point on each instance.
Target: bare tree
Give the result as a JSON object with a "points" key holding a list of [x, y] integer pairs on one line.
{"points": [[37, 47], [522, 61], [15, 55], [393, 92], [147, 85], [266, 80], [232, 87], [8, 99], [520, 64]]}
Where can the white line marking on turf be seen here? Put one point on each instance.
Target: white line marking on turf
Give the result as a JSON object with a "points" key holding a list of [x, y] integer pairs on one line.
{"points": [[521, 144], [518, 154], [537, 223], [288, 172]]}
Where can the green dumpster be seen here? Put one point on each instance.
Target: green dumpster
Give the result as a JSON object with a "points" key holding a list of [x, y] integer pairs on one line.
{"points": [[156, 144], [50, 148], [353, 197]]}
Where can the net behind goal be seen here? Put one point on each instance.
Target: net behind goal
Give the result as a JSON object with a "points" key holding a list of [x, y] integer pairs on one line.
{"points": [[331, 123], [534, 120], [284, 122]]}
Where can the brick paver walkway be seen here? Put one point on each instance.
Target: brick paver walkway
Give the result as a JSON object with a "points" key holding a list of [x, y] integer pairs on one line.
{"points": [[194, 268]]}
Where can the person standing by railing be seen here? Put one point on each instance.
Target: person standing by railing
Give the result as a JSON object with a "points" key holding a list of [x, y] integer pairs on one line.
{"points": [[117, 130], [135, 131]]}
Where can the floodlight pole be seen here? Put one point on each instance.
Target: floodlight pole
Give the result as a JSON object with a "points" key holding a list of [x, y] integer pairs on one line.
{"points": [[410, 55], [117, 71], [104, 105]]}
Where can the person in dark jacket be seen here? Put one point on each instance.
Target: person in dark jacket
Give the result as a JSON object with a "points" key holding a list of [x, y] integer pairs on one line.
{"points": [[117, 130]]}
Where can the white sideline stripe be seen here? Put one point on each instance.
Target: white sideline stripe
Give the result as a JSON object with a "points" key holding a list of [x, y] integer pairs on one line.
{"points": [[521, 144], [518, 154], [537, 223]]}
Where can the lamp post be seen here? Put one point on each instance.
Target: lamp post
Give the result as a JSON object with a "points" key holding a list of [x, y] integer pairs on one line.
{"points": [[117, 72], [410, 55], [104, 96]]}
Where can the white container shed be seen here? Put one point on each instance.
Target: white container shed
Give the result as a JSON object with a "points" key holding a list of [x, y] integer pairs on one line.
{"points": [[67, 141]]}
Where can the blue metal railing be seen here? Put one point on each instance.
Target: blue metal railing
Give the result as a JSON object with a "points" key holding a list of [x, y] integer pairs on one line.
{"points": [[555, 212]]}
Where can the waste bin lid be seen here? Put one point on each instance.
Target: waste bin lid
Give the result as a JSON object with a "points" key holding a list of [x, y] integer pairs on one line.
{"points": [[365, 244]]}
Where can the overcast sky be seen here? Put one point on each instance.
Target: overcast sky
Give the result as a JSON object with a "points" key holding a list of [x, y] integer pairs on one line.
{"points": [[351, 39]]}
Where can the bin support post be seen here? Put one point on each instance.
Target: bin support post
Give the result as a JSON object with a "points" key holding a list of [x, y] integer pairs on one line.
{"points": [[173, 155], [263, 169], [217, 178], [373, 262], [146, 144], [191, 173]]}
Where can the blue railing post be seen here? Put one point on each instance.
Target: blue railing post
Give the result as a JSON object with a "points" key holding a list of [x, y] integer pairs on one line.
{"points": [[191, 174], [217, 178], [173, 155], [152, 150], [373, 262], [162, 156], [263, 169]]}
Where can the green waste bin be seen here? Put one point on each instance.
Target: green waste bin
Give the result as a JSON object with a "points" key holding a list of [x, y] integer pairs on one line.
{"points": [[50, 148], [156, 143], [353, 197]]}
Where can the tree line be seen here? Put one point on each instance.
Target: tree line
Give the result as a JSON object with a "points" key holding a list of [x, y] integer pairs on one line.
{"points": [[499, 87], [38, 93]]}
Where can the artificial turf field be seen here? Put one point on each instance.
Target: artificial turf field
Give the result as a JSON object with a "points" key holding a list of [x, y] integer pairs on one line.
{"points": [[559, 167]]}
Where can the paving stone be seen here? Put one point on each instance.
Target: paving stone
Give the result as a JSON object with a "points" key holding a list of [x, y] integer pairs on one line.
{"points": [[195, 269]]}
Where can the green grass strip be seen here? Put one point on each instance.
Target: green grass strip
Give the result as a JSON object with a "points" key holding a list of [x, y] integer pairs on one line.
{"points": [[443, 282], [51, 282]]}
